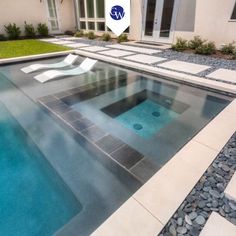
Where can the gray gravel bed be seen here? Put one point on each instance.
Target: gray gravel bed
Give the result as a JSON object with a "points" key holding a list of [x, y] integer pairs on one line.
{"points": [[215, 63], [207, 196]]}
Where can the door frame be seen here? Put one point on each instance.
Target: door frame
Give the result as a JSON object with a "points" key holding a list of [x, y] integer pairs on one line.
{"points": [[57, 2], [157, 22]]}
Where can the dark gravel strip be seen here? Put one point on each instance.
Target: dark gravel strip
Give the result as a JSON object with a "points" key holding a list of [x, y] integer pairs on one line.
{"points": [[207, 196]]}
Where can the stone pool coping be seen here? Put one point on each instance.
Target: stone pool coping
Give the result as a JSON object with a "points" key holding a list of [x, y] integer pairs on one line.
{"points": [[34, 57], [167, 74], [150, 208]]}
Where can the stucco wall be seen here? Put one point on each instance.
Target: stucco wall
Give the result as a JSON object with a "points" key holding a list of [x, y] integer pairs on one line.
{"points": [[34, 11], [213, 20], [210, 19], [136, 19]]}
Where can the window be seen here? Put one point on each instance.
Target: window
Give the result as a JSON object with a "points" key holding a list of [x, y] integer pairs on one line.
{"points": [[101, 26], [81, 9], [91, 25], [100, 8], [90, 8], [91, 15], [82, 25], [233, 17]]}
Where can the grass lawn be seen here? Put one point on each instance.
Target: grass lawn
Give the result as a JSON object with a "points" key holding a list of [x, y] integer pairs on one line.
{"points": [[27, 47]]}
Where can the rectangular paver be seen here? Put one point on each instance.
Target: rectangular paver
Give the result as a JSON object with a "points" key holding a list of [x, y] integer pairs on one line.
{"points": [[77, 45], [230, 190], [130, 219], [62, 42], [184, 66], [49, 40], [70, 38], [116, 53], [147, 59], [218, 226], [95, 49], [134, 49], [224, 75]]}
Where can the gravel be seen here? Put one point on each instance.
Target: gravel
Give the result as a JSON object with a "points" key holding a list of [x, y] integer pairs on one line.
{"points": [[214, 63], [207, 196]]}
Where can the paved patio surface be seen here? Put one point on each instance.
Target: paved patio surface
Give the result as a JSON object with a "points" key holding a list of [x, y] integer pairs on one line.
{"points": [[207, 67]]}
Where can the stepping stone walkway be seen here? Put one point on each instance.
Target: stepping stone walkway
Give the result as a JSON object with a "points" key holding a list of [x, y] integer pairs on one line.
{"points": [[134, 49], [116, 53], [218, 226], [145, 56], [184, 66], [224, 75], [230, 190], [142, 58]]}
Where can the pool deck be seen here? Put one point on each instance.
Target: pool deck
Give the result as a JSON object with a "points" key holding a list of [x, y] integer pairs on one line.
{"points": [[150, 208]]}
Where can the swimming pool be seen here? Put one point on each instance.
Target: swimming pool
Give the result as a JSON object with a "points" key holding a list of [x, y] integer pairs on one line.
{"points": [[62, 186], [114, 129]]}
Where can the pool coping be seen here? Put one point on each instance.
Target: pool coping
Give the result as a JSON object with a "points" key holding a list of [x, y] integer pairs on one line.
{"points": [[164, 73], [34, 57], [160, 197]]}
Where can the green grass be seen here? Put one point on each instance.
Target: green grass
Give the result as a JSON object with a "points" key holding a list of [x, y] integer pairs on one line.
{"points": [[18, 48]]}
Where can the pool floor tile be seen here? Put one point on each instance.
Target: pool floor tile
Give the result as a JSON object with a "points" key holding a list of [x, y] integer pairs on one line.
{"points": [[93, 133], [127, 156], [82, 124], [71, 116], [145, 169], [109, 143]]}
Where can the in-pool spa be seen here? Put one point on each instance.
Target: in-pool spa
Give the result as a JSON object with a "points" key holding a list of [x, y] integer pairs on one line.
{"points": [[73, 150]]}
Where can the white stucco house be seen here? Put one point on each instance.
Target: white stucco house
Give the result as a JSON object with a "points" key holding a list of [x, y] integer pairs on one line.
{"points": [[157, 21]]}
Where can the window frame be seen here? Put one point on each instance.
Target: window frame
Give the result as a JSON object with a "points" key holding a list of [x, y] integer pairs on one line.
{"points": [[87, 19], [231, 15]]}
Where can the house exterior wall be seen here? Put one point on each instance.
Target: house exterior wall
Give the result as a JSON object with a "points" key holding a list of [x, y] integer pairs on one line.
{"points": [[209, 19], [213, 20], [34, 11]]}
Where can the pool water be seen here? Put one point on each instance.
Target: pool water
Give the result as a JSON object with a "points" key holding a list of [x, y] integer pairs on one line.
{"points": [[52, 183], [147, 118], [33, 199]]}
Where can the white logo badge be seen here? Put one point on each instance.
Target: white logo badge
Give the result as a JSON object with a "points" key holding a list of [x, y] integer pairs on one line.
{"points": [[118, 15]]}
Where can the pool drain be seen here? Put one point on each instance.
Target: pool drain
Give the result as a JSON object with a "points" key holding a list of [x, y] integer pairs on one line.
{"points": [[137, 126], [156, 114]]}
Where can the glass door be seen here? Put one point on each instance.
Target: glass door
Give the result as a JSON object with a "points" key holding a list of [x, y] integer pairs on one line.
{"points": [[53, 16], [159, 20]]}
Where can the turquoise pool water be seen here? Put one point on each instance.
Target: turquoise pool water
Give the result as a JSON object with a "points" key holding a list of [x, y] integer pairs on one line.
{"points": [[147, 118], [33, 198]]}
